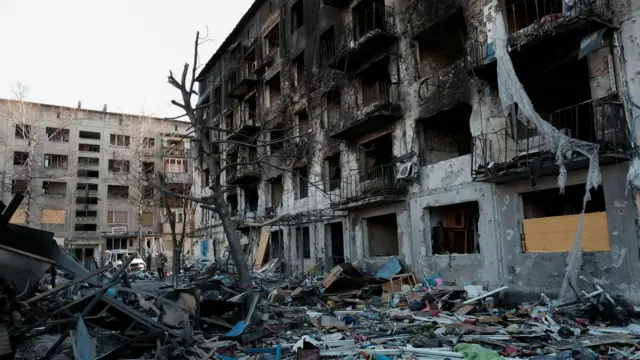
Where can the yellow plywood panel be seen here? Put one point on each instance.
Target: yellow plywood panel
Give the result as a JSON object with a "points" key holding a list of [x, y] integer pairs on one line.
{"points": [[18, 217], [262, 247], [53, 216], [556, 233]]}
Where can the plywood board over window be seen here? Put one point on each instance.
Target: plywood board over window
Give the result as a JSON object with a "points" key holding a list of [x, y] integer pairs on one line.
{"points": [[147, 218], [557, 233], [18, 217], [53, 216]]}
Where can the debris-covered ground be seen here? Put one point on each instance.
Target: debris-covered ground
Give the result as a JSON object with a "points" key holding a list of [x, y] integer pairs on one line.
{"points": [[114, 314]]}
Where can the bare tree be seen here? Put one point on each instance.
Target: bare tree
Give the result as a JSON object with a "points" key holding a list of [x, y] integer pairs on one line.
{"points": [[24, 121]]}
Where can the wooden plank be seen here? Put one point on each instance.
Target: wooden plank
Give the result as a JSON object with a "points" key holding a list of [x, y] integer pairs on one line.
{"points": [[262, 247], [557, 233]]}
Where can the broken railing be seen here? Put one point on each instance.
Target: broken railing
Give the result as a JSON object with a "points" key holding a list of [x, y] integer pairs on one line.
{"points": [[516, 146], [374, 182], [372, 17]]}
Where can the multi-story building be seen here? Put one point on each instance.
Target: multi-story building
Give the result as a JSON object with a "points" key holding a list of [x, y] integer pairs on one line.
{"points": [[402, 138], [87, 175]]}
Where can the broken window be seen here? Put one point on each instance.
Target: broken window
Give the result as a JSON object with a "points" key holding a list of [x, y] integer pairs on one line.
{"points": [[56, 134], [275, 91], [117, 191], [116, 244], [119, 140], [327, 46], [333, 172], [301, 178], [53, 216], [53, 161], [304, 240], [147, 192], [148, 143], [298, 64], [87, 187], [277, 135], [333, 107], [442, 44], [23, 131], [551, 219], [446, 135], [86, 214], [455, 228], [147, 218], [277, 191], [88, 228], [374, 155], [303, 123], [382, 234], [18, 186], [83, 160], [519, 14], [376, 83], [206, 177], [89, 135], [89, 147], [119, 165], [232, 200], [369, 16], [148, 167], [272, 41], [251, 198], [86, 200], [173, 165], [89, 173], [117, 217], [297, 16], [20, 157], [276, 247], [54, 188]]}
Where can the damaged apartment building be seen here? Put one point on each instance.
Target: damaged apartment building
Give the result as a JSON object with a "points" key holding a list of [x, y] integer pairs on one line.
{"points": [[86, 178], [359, 130]]}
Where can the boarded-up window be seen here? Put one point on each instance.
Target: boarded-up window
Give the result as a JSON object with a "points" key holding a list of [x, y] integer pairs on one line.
{"points": [[117, 217], [18, 217], [147, 218], [53, 216]]}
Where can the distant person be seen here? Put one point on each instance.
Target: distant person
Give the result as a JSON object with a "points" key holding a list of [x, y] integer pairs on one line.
{"points": [[161, 262]]}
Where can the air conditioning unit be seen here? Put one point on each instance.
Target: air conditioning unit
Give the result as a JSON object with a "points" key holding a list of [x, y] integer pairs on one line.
{"points": [[408, 171]]}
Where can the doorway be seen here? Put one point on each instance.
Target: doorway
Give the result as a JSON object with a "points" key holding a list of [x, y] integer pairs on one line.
{"points": [[334, 244]]}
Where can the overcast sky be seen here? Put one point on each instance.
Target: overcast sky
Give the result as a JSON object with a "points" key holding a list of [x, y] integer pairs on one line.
{"points": [[114, 52]]}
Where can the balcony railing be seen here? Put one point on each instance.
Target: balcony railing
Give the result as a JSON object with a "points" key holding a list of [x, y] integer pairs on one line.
{"points": [[241, 80], [381, 93], [171, 151], [178, 177], [527, 20], [373, 17], [376, 183], [509, 153], [243, 173]]}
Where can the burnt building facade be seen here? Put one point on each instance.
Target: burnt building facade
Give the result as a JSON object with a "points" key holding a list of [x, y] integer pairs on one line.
{"points": [[376, 128]]}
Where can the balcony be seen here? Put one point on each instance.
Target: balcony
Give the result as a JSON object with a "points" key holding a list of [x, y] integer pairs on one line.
{"points": [[178, 178], [336, 3], [515, 152], [368, 188], [241, 81], [445, 89], [243, 174], [534, 27], [245, 127], [381, 108], [175, 152], [371, 33]]}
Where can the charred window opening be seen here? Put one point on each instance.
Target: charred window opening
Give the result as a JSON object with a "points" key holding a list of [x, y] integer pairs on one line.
{"points": [[148, 167], [251, 198], [275, 91], [298, 64], [54, 161], [228, 122], [303, 123], [455, 229], [86, 213], [446, 135], [376, 83], [277, 245], [232, 201], [83, 160], [301, 179], [335, 232], [375, 154], [87, 200], [232, 163], [297, 16], [20, 157], [18, 186], [520, 14], [117, 191], [89, 135], [147, 192], [304, 241], [327, 46], [545, 203], [382, 234], [54, 188], [89, 173], [56, 134], [277, 135], [251, 107], [87, 228], [369, 15], [89, 147], [22, 131], [442, 44], [272, 41], [87, 187], [277, 191], [119, 165], [333, 104], [333, 172]]}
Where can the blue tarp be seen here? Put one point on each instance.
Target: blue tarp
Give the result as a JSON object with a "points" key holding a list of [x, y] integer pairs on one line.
{"points": [[84, 343], [392, 267]]}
